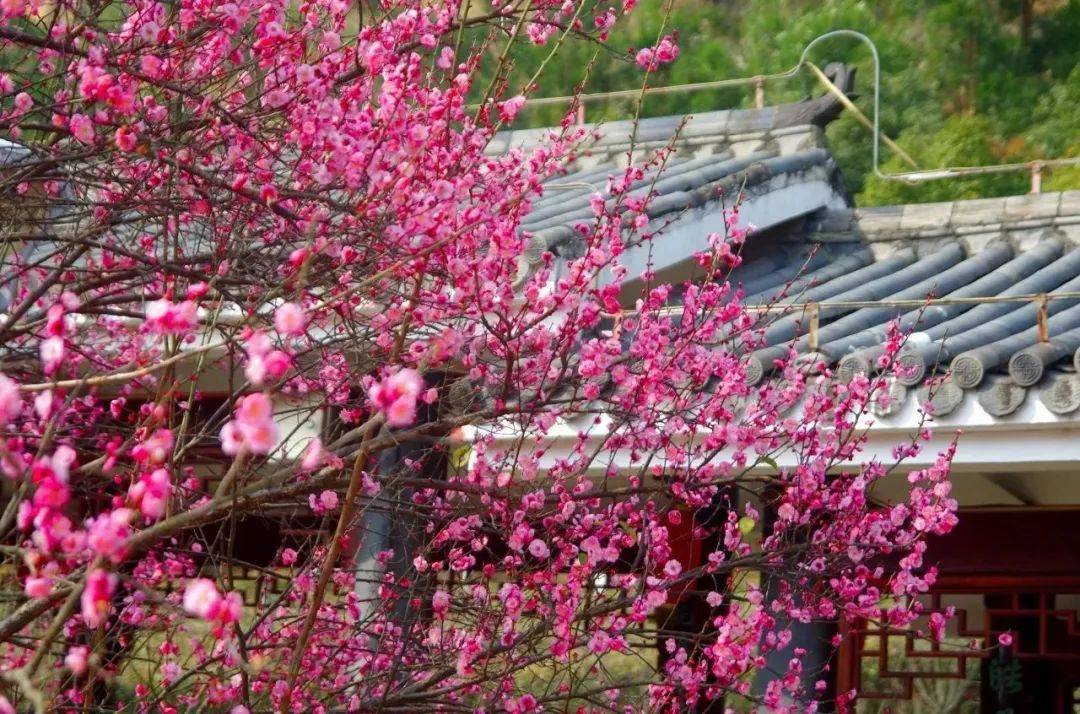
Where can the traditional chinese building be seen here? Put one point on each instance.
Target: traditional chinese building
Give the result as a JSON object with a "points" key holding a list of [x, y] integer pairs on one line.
{"points": [[994, 356]]}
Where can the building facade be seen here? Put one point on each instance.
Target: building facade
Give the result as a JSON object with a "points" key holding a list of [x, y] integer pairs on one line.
{"points": [[994, 356]]}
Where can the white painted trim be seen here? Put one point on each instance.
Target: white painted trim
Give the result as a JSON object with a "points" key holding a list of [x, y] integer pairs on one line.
{"points": [[1031, 439]]}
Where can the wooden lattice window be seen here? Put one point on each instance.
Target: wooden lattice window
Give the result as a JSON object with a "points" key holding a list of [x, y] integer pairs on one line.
{"points": [[903, 670]]}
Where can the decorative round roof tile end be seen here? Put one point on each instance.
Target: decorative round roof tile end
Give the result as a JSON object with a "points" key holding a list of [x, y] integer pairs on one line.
{"points": [[755, 370], [967, 371], [942, 398], [813, 362], [1061, 395], [852, 365], [1026, 368], [888, 399], [1002, 398], [913, 369]]}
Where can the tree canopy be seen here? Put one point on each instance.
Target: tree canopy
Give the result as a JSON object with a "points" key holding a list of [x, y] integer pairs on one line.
{"points": [[964, 82], [295, 416]]}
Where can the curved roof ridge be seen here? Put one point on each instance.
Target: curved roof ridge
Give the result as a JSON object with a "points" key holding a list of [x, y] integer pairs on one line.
{"points": [[715, 127], [953, 218]]}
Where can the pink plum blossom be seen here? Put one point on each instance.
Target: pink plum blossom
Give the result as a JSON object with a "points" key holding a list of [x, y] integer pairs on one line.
{"points": [[154, 449], [314, 455], [289, 319], [510, 108], [539, 549], [43, 404], [203, 600], [76, 659], [38, 586], [395, 396], [937, 626], [253, 429], [325, 502], [150, 493], [267, 368], [10, 401], [52, 353], [665, 52], [96, 597], [108, 533], [204, 162], [164, 317], [265, 364], [23, 102], [440, 603], [126, 139], [82, 128]]}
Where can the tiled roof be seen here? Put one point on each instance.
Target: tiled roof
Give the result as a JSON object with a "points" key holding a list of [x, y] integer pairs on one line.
{"points": [[843, 258], [685, 183], [728, 127], [960, 251], [715, 153]]}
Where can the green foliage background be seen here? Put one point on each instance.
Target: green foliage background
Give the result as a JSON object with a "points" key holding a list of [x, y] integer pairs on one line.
{"points": [[964, 82]]}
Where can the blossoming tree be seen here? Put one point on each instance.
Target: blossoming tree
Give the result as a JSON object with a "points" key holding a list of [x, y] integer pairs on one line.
{"points": [[227, 221]]}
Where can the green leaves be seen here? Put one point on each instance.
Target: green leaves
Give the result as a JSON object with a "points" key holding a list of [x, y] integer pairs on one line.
{"points": [[746, 525], [459, 457], [964, 82]]}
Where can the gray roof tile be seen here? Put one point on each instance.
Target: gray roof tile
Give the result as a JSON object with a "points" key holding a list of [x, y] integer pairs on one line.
{"points": [[964, 249], [993, 348]]}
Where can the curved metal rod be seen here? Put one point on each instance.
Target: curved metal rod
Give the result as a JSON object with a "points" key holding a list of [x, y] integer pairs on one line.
{"points": [[930, 174], [877, 81], [906, 176]]}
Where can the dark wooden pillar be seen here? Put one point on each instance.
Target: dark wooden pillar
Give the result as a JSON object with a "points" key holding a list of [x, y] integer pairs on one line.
{"points": [[815, 637], [386, 524], [688, 616]]}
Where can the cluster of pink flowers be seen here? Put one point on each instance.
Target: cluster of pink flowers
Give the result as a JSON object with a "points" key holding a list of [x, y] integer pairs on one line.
{"points": [[76, 659], [239, 157], [395, 396], [165, 317], [253, 429], [665, 52], [107, 534], [154, 449], [51, 531], [96, 598], [325, 502], [10, 400], [53, 347], [289, 319], [203, 600], [265, 364], [82, 128], [150, 493]]}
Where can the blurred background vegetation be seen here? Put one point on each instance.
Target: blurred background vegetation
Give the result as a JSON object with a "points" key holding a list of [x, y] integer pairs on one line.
{"points": [[964, 82]]}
